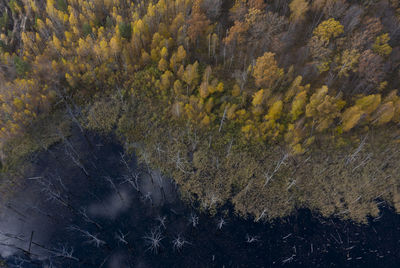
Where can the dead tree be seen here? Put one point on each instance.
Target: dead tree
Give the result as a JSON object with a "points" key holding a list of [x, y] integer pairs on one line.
{"points": [[87, 219], [162, 220], [71, 107], [229, 148], [268, 175], [52, 191], [241, 78], [72, 153], [179, 162], [221, 223], [353, 156], [159, 150], [64, 252], [110, 181], [148, 197], [121, 237], [74, 157], [133, 181], [179, 242], [262, 215], [90, 238], [55, 193], [194, 220], [133, 177], [252, 239], [222, 119], [153, 240]]}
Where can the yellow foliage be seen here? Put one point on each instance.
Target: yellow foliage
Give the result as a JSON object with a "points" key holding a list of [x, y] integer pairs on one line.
{"points": [[297, 149], [209, 105], [204, 92], [298, 8], [295, 87], [381, 45], [328, 29], [241, 112], [191, 75], [324, 108], [246, 129], [347, 61], [181, 72], [230, 113], [73, 21], [18, 103], [205, 121], [162, 65], [369, 103], [68, 36], [384, 114], [164, 52], [258, 97], [40, 24], [396, 116], [220, 87], [382, 85], [178, 87], [70, 79], [172, 62], [266, 71], [275, 111], [145, 57], [351, 117], [115, 45], [166, 80], [298, 105], [236, 91], [155, 55], [315, 100]]}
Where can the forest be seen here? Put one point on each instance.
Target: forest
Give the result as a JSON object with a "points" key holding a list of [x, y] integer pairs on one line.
{"points": [[268, 106]]}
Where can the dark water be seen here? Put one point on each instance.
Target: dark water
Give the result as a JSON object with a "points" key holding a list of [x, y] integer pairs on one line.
{"points": [[80, 206]]}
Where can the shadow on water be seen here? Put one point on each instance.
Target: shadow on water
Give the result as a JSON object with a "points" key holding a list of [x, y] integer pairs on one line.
{"points": [[86, 204]]}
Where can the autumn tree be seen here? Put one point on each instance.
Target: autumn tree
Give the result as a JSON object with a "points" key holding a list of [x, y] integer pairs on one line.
{"points": [[266, 71], [298, 105], [347, 62], [384, 113], [198, 23], [369, 104], [350, 117], [191, 74], [328, 29], [381, 46], [323, 109], [298, 10], [257, 4]]}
